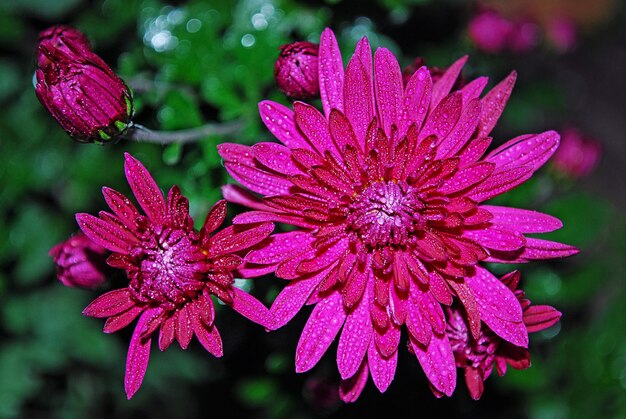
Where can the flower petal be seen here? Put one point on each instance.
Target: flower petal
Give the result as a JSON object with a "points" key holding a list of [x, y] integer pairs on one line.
{"points": [[145, 189], [494, 103], [525, 150], [138, 356], [382, 369], [107, 235], [387, 87], [319, 332], [351, 389], [110, 304], [251, 308], [416, 103], [524, 221], [330, 67], [443, 86], [276, 157], [358, 94], [537, 318], [278, 246], [437, 361], [281, 122]]}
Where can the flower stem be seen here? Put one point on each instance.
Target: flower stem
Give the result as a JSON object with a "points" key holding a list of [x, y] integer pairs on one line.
{"points": [[140, 133]]}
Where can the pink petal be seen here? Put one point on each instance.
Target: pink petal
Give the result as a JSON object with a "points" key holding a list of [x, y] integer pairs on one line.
{"points": [[314, 126], [417, 325], [431, 310], [351, 389], [467, 298], [358, 95], [382, 369], [387, 87], [253, 217], [342, 133], [537, 318], [473, 151], [355, 337], [474, 382], [251, 308], [208, 336], [107, 235], [462, 131], [545, 249], [120, 321], [278, 246], [237, 195], [494, 103], [330, 67], [110, 304], [184, 327], [319, 332], [464, 178], [525, 150], [387, 341], [137, 358], [145, 189], [416, 103], [324, 257], [443, 86], [473, 89], [437, 361], [500, 182], [238, 237], [277, 157], [524, 221], [292, 298], [121, 206], [281, 122], [497, 238], [498, 306], [240, 163], [445, 116], [214, 218]]}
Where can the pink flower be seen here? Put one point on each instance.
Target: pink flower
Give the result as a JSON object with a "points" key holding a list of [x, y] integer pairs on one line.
{"points": [[490, 31], [82, 93], [386, 188], [295, 70], [524, 36], [478, 355], [577, 155], [80, 262], [173, 270]]}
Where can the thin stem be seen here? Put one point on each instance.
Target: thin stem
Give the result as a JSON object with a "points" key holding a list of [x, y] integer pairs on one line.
{"points": [[140, 133]]}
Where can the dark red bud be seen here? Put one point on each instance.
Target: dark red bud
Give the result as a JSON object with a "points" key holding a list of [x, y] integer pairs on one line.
{"points": [[295, 70]]}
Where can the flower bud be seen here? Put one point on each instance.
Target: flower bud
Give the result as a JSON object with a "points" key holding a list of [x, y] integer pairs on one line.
{"points": [[489, 31], [80, 262], [295, 70], [577, 155], [79, 89]]}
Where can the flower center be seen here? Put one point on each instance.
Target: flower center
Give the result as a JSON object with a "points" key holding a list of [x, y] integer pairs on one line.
{"points": [[385, 213], [171, 267]]}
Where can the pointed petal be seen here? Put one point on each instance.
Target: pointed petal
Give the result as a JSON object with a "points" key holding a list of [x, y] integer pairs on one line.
{"points": [[276, 157], [443, 118], [388, 88], [526, 150], [137, 358], [387, 341], [358, 93], [355, 337], [443, 86], [121, 206], [545, 249], [351, 389], [497, 238], [208, 336], [238, 237], [251, 308], [120, 321], [278, 246], [281, 122], [110, 304], [237, 195], [537, 318], [416, 100], [466, 177], [314, 127], [494, 103], [110, 236], [240, 163], [145, 189], [382, 369], [437, 361], [473, 89], [319, 332], [462, 131], [524, 221], [330, 67]]}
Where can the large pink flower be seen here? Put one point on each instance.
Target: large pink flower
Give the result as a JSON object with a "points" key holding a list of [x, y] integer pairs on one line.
{"points": [[173, 270], [386, 188]]}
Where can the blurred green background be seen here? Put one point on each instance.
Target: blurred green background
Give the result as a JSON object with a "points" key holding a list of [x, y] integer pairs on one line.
{"points": [[193, 62]]}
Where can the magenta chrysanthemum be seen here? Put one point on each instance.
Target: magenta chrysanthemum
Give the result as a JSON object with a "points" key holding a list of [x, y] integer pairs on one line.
{"points": [[477, 356], [172, 269], [387, 189]]}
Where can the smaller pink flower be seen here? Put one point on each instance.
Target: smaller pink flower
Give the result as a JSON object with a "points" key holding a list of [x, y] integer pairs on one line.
{"points": [[90, 102], [80, 262], [295, 70], [577, 155], [490, 31], [561, 33], [173, 270], [477, 356]]}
